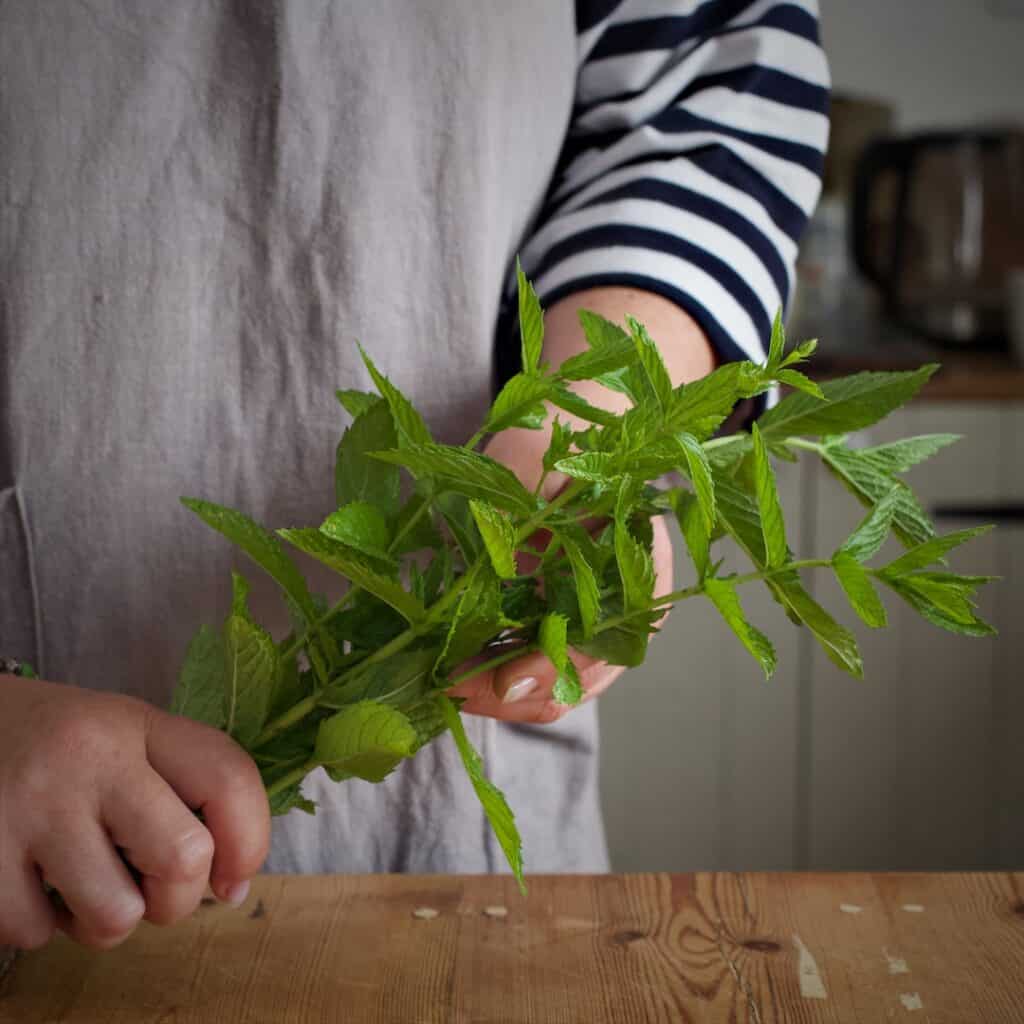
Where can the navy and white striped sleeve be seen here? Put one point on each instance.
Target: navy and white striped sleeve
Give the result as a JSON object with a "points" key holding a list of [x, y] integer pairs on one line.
{"points": [[693, 159]]}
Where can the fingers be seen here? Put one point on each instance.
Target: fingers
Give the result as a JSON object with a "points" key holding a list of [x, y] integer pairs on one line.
{"points": [[29, 919], [164, 841], [104, 903], [521, 690], [211, 773]]}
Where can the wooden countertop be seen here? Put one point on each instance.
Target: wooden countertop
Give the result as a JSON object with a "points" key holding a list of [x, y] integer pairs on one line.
{"points": [[755, 948]]}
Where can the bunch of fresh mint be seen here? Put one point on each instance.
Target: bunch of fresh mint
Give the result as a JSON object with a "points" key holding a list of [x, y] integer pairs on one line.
{"points": [[435, 577]]}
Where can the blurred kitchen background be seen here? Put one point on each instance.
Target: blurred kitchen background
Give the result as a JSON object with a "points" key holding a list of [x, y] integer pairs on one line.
{"points": [[916, 254]]}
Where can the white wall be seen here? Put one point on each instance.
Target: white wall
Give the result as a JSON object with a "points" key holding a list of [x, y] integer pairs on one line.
{"points": [[942, 62]]}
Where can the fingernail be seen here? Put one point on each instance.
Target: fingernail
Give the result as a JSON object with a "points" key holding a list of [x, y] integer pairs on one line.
{"points": [[236, 894], [519, 689]]}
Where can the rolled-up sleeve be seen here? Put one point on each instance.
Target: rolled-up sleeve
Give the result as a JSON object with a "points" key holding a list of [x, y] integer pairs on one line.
{"points": [[692, 161]]}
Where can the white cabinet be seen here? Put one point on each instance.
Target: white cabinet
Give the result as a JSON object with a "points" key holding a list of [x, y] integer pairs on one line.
{"points": [[921, 765]]}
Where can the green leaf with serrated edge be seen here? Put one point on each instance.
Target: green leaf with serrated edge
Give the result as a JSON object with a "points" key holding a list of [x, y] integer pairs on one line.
{"points": [[693, 525], [768, 505], [933, 603], [650, 366], [359, 525], [409, 425], [866, 541], [837, 642], [251, 665], [202, 683], [367, 740], [578, 406], [354, 402], [517, 403], [559, 445], [850, 403], [495, 806], [587, 591], [531, 322], [636, 569], [701, 406], [932, 551], [499, 537], [260, 545], [777, 344], [738, 516], [800, 382], [357, 477], [477, 619], [910, 523], [290, 798], [860, 591], [423, 533], [454, 508], [399, 680], [438, 576], [350, 564], [600, 467], [723, 596], [427, 718], [552, 635], [611, 349], [467, 473], [899, 456], [699, 471]]}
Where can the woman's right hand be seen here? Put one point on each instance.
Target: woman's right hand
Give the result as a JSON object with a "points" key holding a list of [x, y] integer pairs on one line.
{"points": [[90, 780]]}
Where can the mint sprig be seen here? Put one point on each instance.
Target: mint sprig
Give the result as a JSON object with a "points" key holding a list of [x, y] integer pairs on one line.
{"points": [[454, 571]]}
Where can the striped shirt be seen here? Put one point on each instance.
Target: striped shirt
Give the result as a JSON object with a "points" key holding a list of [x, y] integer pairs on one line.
{"points": [[692, 161]]}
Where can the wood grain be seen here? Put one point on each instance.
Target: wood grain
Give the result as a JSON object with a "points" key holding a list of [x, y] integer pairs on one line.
{"points": [[651, 948]]}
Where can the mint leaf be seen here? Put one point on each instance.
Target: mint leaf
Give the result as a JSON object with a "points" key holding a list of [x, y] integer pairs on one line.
{"points": [[520, 403], [491, 798], [932, 551], [701, 406], [768, 505], [349, 563], [899, 456], [409, 424], [650, 368], [251, 668], [367, 740], [865, 542], [723, 596], [611, 350], [465, 472], [600, 467], [401, 680], [261, 546], [800, 382], [699, 471], [856, 584], [202, 685], [531, 323], [838, 642], [693, 525], [909, 522], [553, 639], [361, 526], [454, 509], [355, 402], [777, 344], [560, 444], [636, 569], [941, 601], [851, 403], [587, 591], [578, 406], [499, 537], [477, 619], [290, 798], [357, 476]]}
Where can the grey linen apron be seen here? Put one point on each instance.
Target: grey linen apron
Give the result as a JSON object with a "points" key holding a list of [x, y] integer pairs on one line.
{"points": [[203, 205]]}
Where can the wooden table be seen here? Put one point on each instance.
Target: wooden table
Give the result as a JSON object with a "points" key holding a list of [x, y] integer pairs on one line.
{"points": [[707, 947]]}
